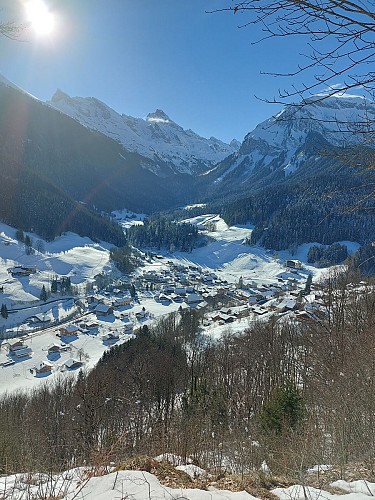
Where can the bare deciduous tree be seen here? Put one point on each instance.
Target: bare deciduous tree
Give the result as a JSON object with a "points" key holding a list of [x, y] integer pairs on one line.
{"points": [[340, 36], [10, 29]]}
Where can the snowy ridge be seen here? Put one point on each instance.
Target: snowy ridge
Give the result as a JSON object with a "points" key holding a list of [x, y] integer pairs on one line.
{"points": [[157, 137], [4, 81], [342, 120]]}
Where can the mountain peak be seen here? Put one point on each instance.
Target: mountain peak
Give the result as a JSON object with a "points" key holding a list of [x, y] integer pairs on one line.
{"points": [[159, 117], [59, 95]]}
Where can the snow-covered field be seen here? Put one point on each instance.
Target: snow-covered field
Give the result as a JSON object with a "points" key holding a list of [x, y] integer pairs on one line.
{"points": [[81, 260]]}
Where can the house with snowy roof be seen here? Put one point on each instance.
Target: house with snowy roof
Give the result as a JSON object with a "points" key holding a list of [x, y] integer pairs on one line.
{"points": [[42, 367], [69, 330], [103, 310]]}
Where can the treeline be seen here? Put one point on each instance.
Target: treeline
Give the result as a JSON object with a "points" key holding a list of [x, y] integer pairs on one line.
{"points": [[159, 232], [293, 394], [325, 257]]}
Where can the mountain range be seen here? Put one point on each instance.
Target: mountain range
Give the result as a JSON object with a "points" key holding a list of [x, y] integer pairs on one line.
{"points": [[65, 163], [171, 148]]}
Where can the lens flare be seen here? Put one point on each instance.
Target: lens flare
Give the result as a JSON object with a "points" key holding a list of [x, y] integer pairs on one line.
{"points": [[41, 19]]}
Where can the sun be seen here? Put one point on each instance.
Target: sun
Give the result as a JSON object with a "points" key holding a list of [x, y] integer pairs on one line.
{"points": [[41, 19]]}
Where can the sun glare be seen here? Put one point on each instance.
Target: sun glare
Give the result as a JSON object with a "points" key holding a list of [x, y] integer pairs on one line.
{"points": [[41, 19]]}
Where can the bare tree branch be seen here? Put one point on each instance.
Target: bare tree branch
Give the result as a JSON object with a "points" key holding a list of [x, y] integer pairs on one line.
{"points": [[349, 25]]}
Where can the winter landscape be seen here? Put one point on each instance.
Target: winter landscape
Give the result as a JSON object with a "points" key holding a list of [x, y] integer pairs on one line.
{"points": [[187, 313]]}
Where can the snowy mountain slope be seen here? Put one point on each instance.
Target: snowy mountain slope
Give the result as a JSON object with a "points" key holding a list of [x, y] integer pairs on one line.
{"points": [[278, 143], [157, 137]]}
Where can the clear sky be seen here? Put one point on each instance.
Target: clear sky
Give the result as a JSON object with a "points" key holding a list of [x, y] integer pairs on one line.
{"points": [[140, 55]]}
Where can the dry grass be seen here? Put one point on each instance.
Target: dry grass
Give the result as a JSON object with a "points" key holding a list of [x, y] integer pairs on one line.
{"points": [[257, 484]]}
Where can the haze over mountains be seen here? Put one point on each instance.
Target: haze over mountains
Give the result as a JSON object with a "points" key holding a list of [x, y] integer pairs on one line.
{"points": [[56, 167]]}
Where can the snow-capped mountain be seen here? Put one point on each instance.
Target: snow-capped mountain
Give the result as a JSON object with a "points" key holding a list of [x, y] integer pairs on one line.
{"points": [[279, 142], [159, 138]]}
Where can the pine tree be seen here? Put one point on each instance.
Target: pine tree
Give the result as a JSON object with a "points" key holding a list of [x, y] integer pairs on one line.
{"points": [[4, 311], [28, 245], [54, 286], [20, 236], [308, 284], [284, 412], [43, 294]]}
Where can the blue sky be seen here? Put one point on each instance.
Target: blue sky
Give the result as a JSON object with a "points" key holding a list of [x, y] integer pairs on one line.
{"points": [[140, 55]]}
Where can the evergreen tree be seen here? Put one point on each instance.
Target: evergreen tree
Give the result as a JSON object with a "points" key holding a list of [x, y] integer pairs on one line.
{"points": [[43, 294], [54, 286], [284, 412], [28, 245], [20, 235], [308, 284], [4, 311]]}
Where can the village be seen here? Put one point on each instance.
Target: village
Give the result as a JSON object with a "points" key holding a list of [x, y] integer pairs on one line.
{"points": [[65, 307], [43, 346]]}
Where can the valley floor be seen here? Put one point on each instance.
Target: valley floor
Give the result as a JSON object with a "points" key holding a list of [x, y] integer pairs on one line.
{"points": [[226, 258]]}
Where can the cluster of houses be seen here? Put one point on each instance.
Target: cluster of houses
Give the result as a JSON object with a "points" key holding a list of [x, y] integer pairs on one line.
{"points": [[192, 285], [18, 350]]}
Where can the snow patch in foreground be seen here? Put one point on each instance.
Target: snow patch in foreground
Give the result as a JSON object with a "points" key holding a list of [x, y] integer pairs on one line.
{"points": [[138, 485]]}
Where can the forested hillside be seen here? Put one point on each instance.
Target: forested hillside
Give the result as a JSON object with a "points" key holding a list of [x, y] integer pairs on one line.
{"points": [[49, 162], [324, 201], [259, 395]]}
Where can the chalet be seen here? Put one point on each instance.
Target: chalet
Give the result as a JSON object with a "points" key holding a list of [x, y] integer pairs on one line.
{"points": [[110, 336], [103, 310], [16, 345], [259, 310], [43, 367], [287, 304], [223, 318], [91, 299], [10, 362], [293, 264], [22, 271], [242, 294], [23, 353], [128, 327], [72, 364], [29, 269], [123, 301], [226, 310], [69, 330], [91, 325], [193, 298], [53, 348], [39, 319]]}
